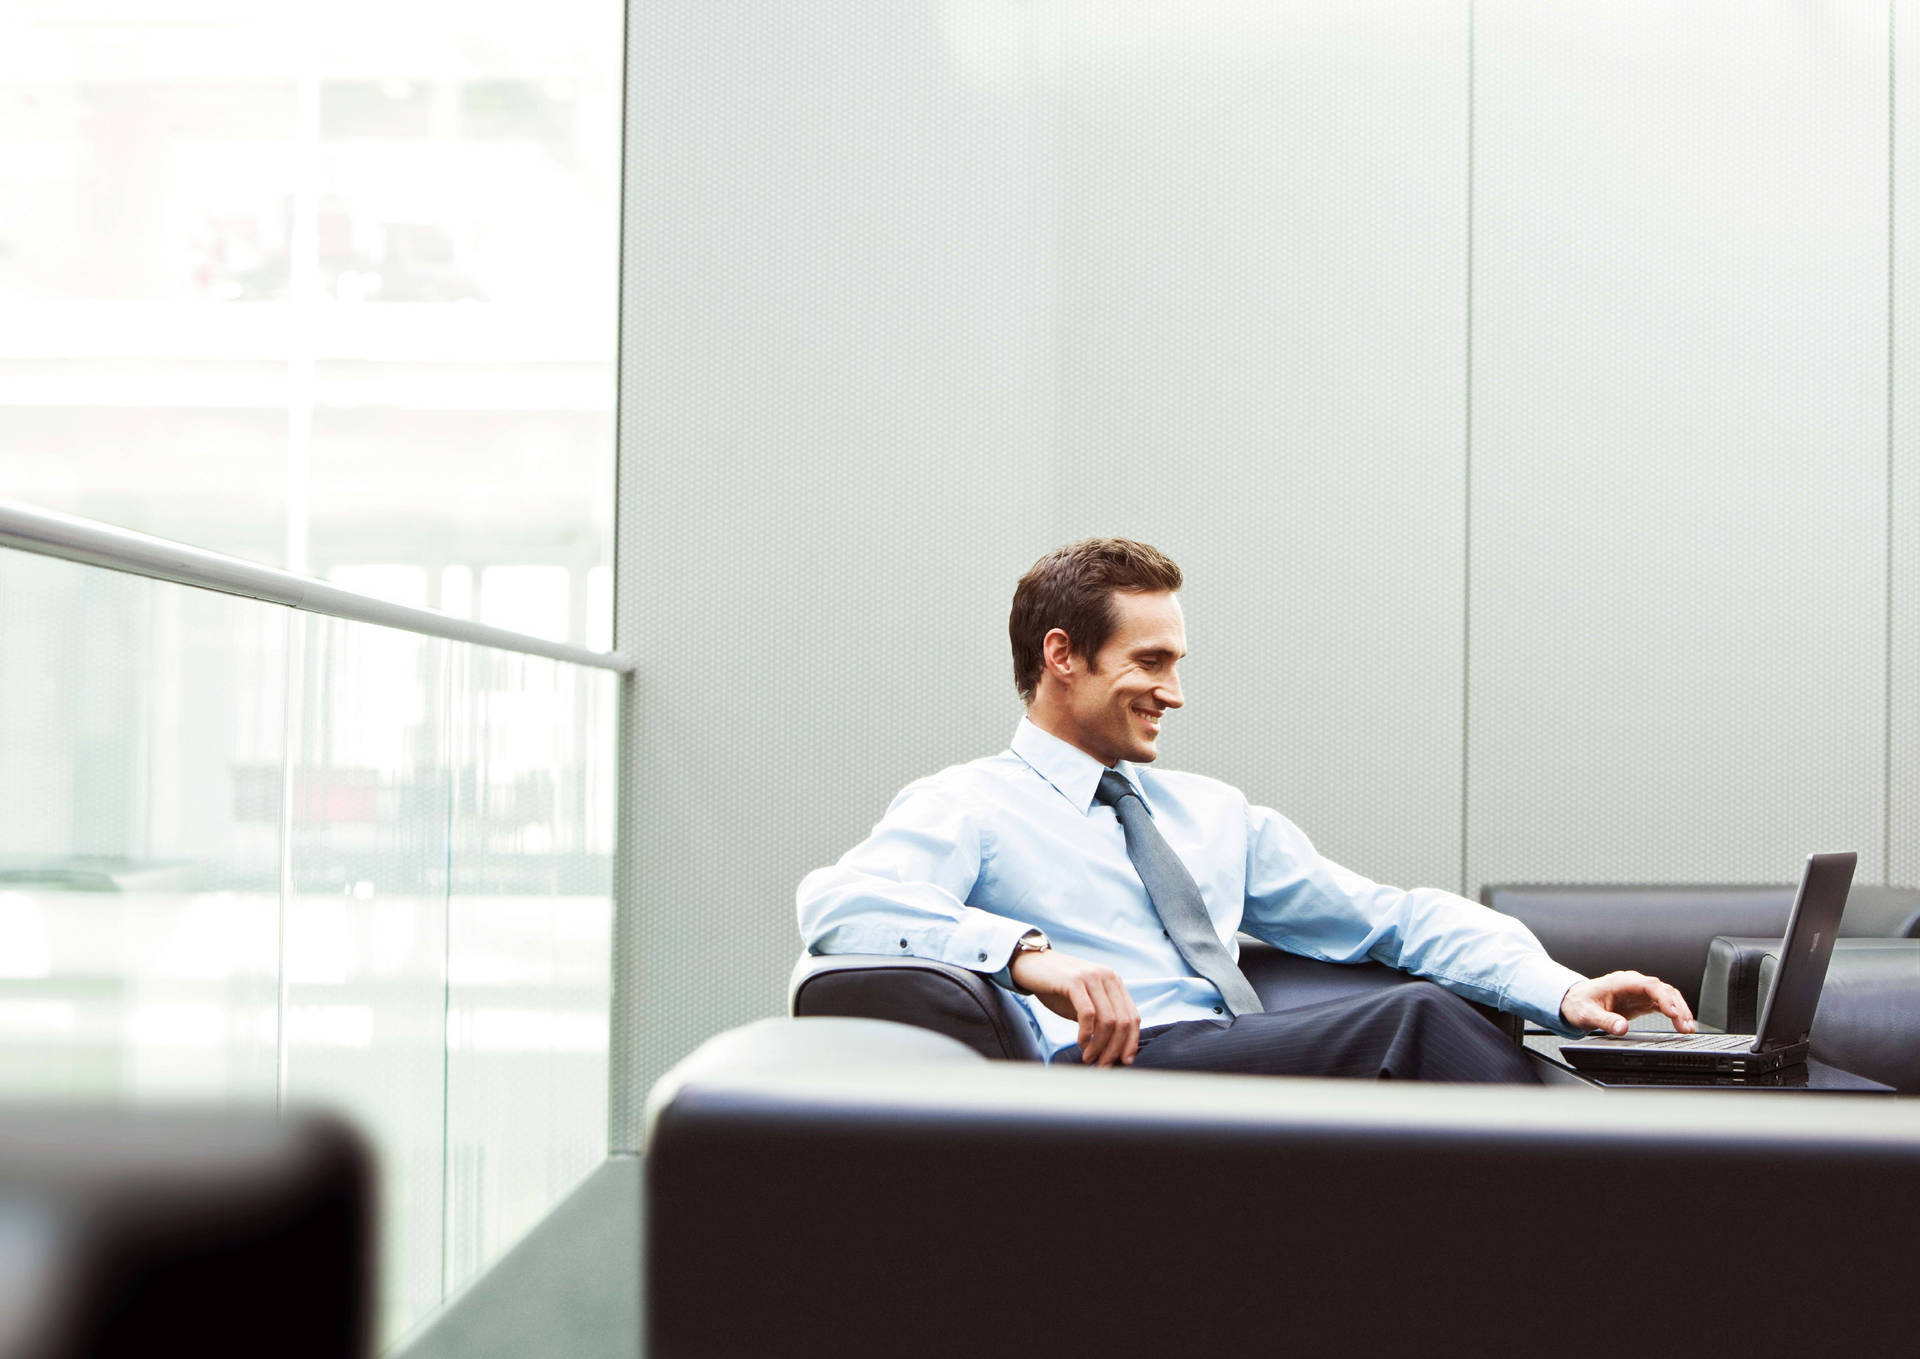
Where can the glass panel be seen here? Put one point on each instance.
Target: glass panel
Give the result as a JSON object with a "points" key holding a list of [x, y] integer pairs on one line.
{"points": [[320, 287], [366, 925], [529, 944], [531, 599], [139, 835], [140, 177]]}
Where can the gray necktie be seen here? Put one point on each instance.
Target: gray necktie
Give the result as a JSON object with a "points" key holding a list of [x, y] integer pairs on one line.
{"points": [[1176, 896]]}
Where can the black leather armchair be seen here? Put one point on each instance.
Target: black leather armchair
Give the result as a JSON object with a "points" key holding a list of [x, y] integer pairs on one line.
{"points": [[1869, 1016], [1720, 944], [1669, 932], [967, 1006]]}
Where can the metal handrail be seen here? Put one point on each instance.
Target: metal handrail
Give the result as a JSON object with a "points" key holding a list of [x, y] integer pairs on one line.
{"points": [[52, 534]]}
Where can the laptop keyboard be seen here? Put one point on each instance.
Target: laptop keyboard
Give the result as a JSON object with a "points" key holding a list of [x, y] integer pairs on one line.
{"points": [[1705, 1042]]}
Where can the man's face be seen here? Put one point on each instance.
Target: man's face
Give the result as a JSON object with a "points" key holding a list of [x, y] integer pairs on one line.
{"points": [[1115, 710]]}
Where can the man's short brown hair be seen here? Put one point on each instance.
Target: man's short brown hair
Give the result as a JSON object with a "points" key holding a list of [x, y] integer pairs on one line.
{"points": [[1071, 588]]}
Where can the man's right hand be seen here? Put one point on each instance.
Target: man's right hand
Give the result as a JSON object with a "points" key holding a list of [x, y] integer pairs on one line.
{"points": [[1087, 992]]}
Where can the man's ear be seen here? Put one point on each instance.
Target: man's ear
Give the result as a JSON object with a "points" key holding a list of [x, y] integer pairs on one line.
{"points": [[1056, 649]]}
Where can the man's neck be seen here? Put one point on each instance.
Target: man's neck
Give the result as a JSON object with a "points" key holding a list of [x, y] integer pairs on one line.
{"points": [[1054, 724]]}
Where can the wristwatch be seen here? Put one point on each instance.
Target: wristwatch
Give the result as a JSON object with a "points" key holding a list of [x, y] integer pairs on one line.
{"points": [[1033, 941]]}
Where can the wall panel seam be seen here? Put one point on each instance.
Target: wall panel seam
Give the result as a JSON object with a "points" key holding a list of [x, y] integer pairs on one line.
{"points": [[1466, 498], [1886, 695]]}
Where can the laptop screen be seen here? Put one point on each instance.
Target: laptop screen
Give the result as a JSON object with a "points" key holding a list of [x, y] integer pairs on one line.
{"points": [[1804, 952]]}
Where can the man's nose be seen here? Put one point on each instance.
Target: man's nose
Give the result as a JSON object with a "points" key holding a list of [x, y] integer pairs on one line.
{"points": [[1169, 693]]}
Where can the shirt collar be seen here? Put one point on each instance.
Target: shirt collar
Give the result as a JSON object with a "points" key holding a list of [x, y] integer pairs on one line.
{"points": [[1071, 770]]}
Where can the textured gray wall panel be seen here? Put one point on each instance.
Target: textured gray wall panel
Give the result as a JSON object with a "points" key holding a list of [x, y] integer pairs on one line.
{"points": [[1678, 461], [836, 409], [1263, 358]]}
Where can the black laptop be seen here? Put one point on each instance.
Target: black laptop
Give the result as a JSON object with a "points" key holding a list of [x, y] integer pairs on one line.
{"points": [[1782, 1040]]}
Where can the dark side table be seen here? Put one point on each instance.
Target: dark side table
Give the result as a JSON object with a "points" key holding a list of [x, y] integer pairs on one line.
{"points": [[1543, 1049]]}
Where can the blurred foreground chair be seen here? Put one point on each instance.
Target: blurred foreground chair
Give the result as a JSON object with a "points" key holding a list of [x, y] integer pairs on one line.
{"points": [[212, 1234]]}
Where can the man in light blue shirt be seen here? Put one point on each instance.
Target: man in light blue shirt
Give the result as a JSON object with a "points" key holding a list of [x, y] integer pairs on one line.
{"points": [[1017, 867]]}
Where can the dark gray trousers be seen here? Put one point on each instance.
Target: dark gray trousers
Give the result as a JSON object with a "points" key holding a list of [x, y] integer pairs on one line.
{"points": [[1411, 1032]]}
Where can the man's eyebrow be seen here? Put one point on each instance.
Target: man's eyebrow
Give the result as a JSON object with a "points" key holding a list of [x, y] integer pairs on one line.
{"points": [[1155, 651]]}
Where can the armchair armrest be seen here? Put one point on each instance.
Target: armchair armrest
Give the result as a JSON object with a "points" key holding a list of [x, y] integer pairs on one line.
{"points": [[1730, 990], [952, 1000]]}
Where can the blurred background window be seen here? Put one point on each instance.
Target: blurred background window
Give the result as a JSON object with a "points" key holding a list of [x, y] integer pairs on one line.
{"points": [[327, 287]]}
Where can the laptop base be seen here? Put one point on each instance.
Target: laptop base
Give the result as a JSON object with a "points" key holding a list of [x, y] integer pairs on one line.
{"points": [[1634, 1054]]}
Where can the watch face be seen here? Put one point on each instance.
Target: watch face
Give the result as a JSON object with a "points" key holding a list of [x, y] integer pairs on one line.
{"points": [[1033, 941]]}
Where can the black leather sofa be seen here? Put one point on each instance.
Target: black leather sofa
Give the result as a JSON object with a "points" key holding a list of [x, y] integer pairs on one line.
{"points": [[835, 1187]]}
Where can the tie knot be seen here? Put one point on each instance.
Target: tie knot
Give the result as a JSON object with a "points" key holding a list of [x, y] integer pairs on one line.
{"points": [[1113, 787]]}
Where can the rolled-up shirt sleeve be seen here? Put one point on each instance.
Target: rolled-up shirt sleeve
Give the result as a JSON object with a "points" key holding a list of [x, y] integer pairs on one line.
{"points": [[903, 890], [1302, 902]]}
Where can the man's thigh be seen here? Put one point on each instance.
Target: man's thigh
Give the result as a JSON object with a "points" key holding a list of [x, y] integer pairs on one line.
{"points": [[1414, 1031]]}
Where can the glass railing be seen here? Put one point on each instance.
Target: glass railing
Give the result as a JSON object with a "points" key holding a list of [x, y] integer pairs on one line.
{"points": [[255, 853]]}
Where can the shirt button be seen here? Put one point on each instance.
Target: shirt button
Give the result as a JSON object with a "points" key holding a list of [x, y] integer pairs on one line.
{"points": [[983, 957], [903, 943], [1217, 1010]]}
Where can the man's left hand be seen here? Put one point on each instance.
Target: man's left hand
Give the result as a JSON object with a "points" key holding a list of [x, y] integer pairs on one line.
{"points": [[1609, 1002]]}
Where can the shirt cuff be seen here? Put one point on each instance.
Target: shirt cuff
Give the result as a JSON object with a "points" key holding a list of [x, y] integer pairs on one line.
{"points": [[983, 941], [1535, 993]]}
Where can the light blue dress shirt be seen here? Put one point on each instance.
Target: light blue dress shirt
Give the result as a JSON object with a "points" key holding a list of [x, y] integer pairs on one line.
{"points": [[967, 860]]}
